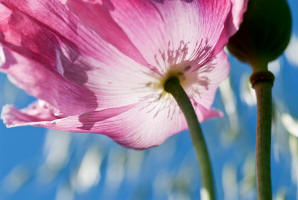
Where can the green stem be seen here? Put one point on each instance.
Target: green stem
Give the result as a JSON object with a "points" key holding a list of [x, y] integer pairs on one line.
{"points": [[172, 85], [262, 83]]}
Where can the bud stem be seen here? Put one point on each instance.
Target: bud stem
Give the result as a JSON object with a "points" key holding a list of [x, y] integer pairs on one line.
{"points": [[172, 85], [262, 82]]}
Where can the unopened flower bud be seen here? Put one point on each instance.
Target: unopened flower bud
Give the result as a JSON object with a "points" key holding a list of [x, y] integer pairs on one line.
{"points": [[264, 33]]}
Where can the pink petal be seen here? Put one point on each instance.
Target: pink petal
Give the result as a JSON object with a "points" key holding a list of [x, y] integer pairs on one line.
{"points": [[161, 29], [194, 26], [233, 22], [126, 24], [41, 113], [33, 54], [209, 77], [136, 126], [238, 10], [83, 66], [158, 28], [41, 82], [36, 112], [104, 25], [93, 75], [66, 71]]}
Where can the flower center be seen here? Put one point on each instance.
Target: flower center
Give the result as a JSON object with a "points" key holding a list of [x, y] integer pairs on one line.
{"points": [[194, 82], [173, 80], [179, 72]]}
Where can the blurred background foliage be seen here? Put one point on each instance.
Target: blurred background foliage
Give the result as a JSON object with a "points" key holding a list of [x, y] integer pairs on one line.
{"points": [[36, 163]]}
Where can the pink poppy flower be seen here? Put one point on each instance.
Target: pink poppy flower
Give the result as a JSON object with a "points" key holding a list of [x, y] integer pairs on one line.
{"points": [[98, 66]]}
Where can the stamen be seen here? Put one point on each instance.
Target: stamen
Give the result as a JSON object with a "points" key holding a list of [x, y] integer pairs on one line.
{"points": [[187, 68]]}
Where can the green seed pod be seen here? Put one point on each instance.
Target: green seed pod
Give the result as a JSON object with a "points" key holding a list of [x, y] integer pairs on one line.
{"points": [[264, 33]]}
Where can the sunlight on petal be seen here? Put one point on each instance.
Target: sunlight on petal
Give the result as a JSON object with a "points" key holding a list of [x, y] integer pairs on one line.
{"points": [[2, 57], [59, 54]]}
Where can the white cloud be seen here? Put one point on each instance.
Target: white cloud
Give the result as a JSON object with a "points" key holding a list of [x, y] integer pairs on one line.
{"points": [[274, 67], [292, 51], [290, 124]]}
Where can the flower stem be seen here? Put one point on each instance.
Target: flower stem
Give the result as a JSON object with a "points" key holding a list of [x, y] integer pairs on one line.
{"points": [[172, 85], [262, 82]]}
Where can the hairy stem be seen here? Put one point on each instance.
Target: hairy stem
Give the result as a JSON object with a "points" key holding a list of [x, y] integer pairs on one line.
{"points": [[172, 85], [262, 83]]}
